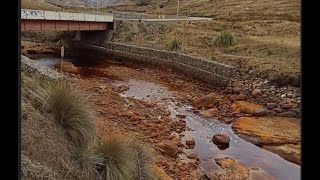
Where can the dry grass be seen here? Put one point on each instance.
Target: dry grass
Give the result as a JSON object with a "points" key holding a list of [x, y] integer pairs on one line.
{"points": [[267, 32], [267, 46], [119, 159], [72, 109], [231, 9], [47, 152], [38, 4], [125, 159], [89, 161], [143, 158]]}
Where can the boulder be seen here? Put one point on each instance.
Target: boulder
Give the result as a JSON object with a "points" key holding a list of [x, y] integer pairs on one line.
{"points": [[210, 112], [282, 133], [261, 112], [169, 147], [190, 142], [222, 141], [231, 169], [245, 107], [207, 101]]}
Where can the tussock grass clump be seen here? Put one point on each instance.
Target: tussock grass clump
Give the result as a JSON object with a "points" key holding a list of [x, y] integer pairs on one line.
{"points": [[125, 159], [174, 44], [119, 160], [89, 161], [71, 107], [224, 39], [143, 159]]}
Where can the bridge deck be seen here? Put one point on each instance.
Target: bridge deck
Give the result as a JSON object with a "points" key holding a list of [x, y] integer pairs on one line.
{"points": [[63, 16]]}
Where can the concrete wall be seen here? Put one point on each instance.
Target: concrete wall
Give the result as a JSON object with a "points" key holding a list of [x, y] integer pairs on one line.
{"points": [[206, 70], [64, 16], [54, 25]]}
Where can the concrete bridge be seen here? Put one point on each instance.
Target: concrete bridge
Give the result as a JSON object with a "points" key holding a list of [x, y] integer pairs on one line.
{"points": [[92, 28], [38, 20]]}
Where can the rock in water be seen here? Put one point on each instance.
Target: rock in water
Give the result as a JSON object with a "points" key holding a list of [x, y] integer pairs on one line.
{"points": [[190, 142], [221, 140], [231, 169]]}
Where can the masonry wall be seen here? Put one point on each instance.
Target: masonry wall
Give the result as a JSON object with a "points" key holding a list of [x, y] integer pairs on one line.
{"points": [[209, 71]]}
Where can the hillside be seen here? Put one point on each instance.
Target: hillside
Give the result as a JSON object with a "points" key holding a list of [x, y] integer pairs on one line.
{"points": [[223, 9], [266, 34], [86, 3]]}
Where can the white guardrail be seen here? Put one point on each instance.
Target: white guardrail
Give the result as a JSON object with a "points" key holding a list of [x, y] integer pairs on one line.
{"points": [[65, 16]]}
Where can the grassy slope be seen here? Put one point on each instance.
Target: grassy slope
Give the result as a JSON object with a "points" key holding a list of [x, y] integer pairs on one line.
{"points": [[46, 151], [38, 4], [267, 32]]}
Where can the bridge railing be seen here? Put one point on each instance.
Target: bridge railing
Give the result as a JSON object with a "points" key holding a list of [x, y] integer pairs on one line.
{"points": [[66, 16]]}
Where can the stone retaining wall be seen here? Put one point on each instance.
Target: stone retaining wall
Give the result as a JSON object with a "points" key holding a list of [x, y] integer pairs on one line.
{"points": [[206, 70]]}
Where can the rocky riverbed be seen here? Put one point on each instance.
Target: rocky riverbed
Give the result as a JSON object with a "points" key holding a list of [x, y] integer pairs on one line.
{"points": [[255, 132]]}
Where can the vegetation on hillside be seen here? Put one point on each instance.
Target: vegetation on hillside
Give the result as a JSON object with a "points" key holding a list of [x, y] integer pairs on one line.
{"points": [[224, 39], [59, 132], [174, 44]]}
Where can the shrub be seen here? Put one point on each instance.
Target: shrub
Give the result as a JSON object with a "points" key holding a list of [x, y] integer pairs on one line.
{"points": [[175, 44], [125, 159], [143, 2], [71, 107], [119, 160], [143, 159], [89, 161], [224, 39]]}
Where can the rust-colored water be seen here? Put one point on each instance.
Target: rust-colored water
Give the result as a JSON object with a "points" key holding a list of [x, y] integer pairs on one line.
{"points": [[270, 165]]}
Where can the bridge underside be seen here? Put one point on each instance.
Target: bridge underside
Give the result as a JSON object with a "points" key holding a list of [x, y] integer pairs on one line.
{"points": [[52, 25]]}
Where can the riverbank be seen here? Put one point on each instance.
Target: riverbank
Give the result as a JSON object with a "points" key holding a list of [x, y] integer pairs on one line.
{"points": [[113, 84]]}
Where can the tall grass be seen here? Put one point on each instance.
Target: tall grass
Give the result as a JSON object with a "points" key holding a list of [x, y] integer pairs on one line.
{"points": [[125, 159], [143, 158], [119, 160], [174, 44], [89, 161], [224, 39], [72, 109]]}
